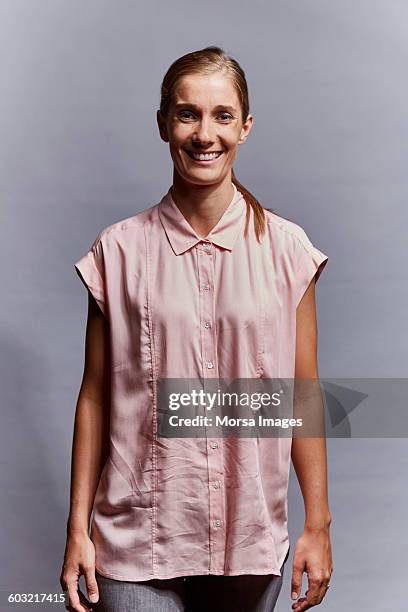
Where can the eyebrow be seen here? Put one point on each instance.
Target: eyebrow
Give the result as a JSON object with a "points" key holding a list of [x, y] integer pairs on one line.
{"points": [[179, 105]]}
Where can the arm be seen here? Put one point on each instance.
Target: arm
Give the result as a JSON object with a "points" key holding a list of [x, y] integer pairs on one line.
{"points": [[90, 449], [313, 551], [90, 446]]}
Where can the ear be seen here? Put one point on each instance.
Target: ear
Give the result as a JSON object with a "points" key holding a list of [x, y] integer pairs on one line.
{"points": [[162, 127], [246, 128]]}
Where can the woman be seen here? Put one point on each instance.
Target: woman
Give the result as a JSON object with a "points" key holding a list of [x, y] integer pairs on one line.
{"points": [[207, 284]]}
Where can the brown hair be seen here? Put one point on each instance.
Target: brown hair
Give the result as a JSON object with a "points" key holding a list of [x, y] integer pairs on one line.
{"points": [[206, 61]]}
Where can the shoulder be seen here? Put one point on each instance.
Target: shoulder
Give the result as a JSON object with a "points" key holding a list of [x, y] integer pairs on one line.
{"points": [[125, 229], [286, 230]]}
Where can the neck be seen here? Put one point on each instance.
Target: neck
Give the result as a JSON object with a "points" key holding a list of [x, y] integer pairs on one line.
{"points": [[202, 205]]}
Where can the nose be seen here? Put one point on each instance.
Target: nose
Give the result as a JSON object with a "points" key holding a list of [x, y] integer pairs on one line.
{"points": [[203, 134]]}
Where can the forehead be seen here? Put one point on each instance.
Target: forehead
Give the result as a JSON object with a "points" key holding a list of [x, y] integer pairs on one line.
{"points": [[211, 89]]}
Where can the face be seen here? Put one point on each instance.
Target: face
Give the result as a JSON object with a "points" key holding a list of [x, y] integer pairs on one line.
{"points": [[204, 128]]}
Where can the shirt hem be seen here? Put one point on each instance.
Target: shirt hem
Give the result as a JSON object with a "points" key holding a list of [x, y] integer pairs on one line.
{"points": [[200, 572], [185, 572]]}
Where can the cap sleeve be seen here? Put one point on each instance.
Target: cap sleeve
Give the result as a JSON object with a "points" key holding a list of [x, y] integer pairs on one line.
{"points": [[91, 271], [311, 264]]}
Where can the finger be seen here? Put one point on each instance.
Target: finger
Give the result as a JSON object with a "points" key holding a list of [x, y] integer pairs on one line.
{"points": [[311, 599], [296, 583], [301, 605], [64, 584], [66, 598], [84, 601], [312, 593], [323, 590], [322, 584], [91, 585], [74, 601]]}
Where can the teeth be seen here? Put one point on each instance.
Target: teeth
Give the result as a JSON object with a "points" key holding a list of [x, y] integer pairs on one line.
{"points": [[205, 156]]}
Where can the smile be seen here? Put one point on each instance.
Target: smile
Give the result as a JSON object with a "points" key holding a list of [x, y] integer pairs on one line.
{"points": [[204, 156]]}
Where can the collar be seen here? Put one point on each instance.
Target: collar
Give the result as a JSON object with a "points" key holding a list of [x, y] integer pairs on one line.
{"points": [[181, 234]]}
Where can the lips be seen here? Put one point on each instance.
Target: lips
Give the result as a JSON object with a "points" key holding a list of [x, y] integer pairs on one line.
{"points": [[190, 154]]}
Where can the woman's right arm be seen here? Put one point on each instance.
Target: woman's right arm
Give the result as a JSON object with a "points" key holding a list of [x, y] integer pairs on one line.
{"points": [[90, 450]]}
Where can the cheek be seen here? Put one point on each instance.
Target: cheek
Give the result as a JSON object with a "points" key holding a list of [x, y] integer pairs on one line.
{"points": [[180, 134], [175, 150], [231, 142], [174, 136], [231, 153]]}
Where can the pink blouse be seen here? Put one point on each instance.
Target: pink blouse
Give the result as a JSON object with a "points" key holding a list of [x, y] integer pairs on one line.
{"points": [[180, 306]]}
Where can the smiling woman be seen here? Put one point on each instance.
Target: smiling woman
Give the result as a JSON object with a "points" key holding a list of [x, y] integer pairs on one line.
{"points": [[204, 116], [205, 284]]}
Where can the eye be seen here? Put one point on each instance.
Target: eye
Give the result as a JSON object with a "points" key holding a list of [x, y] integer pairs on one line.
{"points": [[228, 116], [182, 114], [187, 114]]}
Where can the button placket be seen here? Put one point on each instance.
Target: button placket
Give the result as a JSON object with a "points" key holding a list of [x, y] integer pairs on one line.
{"points": [[214, 447], [206, 275]]}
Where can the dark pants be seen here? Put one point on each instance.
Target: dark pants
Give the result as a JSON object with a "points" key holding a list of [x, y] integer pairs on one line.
{"points": [[252, 593]]}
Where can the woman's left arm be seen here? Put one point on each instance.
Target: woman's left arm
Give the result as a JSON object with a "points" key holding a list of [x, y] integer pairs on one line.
{"points": [[313, 549]]}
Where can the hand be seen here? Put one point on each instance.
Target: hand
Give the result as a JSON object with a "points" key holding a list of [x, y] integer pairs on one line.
{"points": [[79, 559], [312, 555]]}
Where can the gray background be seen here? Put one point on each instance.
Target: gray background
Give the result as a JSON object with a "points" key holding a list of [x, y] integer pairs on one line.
{"points": [[80, 149]]}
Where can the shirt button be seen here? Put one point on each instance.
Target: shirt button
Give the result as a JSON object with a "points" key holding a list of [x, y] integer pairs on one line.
{"points": [[216, 484], [210, 364], [206, 287], [214, 444], [217, 523], [207, 324], [208, 251]]}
